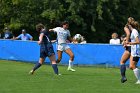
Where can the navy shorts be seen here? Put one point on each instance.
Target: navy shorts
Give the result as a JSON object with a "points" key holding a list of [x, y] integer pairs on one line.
{"points": [[136, 59], [46, 50], [128, 48]]}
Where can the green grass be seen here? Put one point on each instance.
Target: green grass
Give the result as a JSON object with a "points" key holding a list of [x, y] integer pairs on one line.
{"points": [[14, 78]]}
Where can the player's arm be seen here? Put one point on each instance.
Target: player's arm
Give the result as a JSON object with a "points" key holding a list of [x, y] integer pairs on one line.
{"points": [[40, 38], [126, 30], [136, 36], [51, 30], [137, 41], [31, 38], [54, 29], [53, 41], [70, 38], [18, 37], [124, 40]]}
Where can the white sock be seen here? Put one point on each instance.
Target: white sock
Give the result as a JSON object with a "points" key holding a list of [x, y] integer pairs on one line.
{"points": [[70, 64], [137, 73]]}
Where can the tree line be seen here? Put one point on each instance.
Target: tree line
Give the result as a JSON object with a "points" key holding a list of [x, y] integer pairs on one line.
{"points": [[94, 19]]}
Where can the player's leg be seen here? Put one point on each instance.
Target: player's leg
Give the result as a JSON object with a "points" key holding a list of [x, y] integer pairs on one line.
{"points": [[37, 65], [70, 53], [125, 57], [54, 65], [133, 63], [59, 53], [41, 61], [60, 49]]}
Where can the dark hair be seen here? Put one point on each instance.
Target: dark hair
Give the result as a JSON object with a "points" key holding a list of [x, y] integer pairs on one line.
{"points": [[39, 26], [65, 22]]}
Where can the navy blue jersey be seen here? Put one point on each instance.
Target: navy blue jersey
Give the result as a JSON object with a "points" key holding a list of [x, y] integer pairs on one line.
{"points": [[129, 31], [46, 47], [46, 37], [128, 48]]}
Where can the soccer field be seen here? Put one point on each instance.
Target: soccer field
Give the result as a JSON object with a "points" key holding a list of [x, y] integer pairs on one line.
{"points": [[14, 78]]}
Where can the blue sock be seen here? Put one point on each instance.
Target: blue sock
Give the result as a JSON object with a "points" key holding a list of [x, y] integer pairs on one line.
{"points": [[123, 69], [54, 66], [36, 66]]}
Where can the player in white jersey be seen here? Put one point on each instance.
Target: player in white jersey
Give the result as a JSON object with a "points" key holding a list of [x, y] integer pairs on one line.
{"points": [[135, 50], [62, 35]]}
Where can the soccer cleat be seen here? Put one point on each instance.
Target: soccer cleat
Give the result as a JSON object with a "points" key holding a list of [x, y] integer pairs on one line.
{"points": [[138, 82], [31, 72], [59, 74], [70, 69], [124, 79]]}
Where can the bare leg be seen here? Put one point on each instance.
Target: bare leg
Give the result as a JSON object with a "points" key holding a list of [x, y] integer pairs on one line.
{"points": [[70, 53], [133, 63], [59, 53], [125, 57]]}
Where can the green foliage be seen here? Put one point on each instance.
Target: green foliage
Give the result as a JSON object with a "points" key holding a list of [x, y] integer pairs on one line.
{"points": [[15, 24], [90, 18]]}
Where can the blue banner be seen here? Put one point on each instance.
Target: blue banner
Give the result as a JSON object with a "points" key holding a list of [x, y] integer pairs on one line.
{"points": [[85, 54]]}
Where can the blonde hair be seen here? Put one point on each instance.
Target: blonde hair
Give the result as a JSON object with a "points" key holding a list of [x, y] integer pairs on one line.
{"points": [[114, 35], [129, 21]]}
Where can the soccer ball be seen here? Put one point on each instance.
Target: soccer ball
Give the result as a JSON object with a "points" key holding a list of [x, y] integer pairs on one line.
{"points": [[77, 37]]}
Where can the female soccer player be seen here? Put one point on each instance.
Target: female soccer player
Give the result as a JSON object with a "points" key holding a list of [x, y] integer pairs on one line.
{"points": [[46, 49], [127, 52], [62, 35], [135, 50]]}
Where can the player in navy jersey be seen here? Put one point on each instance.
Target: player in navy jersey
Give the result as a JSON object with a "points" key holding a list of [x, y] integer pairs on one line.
{"points": [[127, 52], [46, 49]]}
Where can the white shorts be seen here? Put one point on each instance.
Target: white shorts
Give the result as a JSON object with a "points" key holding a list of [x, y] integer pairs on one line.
{"points": [[62, 47]]}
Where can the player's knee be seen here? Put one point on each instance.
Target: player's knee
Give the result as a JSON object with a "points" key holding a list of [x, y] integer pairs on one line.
{"points": [[131, 67], [59, 59], [122, 62], [41, 61], [53, 62], [72, 56]]}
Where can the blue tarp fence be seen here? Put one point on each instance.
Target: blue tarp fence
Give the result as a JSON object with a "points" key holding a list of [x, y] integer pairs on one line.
{"points": [[85, 54]]}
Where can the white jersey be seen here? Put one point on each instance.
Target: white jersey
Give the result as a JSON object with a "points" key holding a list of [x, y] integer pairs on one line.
{"points": [[135, 49], [114, 41], [62, 34]]}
